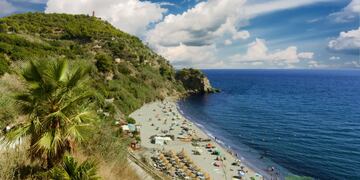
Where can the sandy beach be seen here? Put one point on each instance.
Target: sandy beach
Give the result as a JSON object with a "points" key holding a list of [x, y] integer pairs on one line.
{"points": [[163, 118]]}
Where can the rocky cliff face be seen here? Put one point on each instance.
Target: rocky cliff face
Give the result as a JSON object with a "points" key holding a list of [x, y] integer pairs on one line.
{"points": [[195, 81]]}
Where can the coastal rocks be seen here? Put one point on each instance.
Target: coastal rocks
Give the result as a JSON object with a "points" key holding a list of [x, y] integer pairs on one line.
{"points": [[194, 81]]}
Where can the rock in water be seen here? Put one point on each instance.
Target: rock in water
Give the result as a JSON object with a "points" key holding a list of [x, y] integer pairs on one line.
{"points": [[195, 81]]}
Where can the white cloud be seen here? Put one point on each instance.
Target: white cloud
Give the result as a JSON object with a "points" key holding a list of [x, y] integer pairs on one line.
{"points": [[349, 13], [258, 52], [352, 64], [6, 8], [334, 58], [306, 55], [314, 20], [227, 42], [313, 64], [241, 35], [316, 64], [346, 42], [253, 10], [201, 25], [191, 56], [132, 16], [221, 22], [356, 64], [167, 4]]}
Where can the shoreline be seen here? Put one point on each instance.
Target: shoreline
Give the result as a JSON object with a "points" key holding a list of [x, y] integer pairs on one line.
{"points": [[225, 146], [153, 120]]}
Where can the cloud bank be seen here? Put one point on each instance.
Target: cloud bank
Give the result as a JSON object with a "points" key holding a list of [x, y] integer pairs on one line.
{"points": [[258, 52], [201, 25]]}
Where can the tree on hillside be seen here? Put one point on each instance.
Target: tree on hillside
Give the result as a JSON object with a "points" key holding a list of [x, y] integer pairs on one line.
{"points": [[57, 104], [70, 170]]}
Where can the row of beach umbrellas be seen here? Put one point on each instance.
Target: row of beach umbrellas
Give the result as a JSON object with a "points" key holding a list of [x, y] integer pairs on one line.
{"points": [[181, 162]]}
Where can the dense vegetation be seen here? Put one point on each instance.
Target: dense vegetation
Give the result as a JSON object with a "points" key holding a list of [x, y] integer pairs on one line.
{"points": [[50, 65], [122, 66]]}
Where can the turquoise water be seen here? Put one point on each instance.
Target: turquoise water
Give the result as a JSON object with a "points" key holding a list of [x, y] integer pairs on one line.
{"points": [[306, 121]]}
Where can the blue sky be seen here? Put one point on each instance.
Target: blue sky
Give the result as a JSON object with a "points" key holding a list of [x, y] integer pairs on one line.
{"points": [[229, 33]]}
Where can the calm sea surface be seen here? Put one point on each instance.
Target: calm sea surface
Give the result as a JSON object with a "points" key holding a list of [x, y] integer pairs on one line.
{"points": [[306, 121]]}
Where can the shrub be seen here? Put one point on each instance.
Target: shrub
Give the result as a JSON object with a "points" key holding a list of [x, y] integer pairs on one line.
{"points": [[4, 65], [130, 120], [103, 62]]}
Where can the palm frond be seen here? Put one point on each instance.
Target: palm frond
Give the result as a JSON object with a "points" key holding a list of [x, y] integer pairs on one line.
{"points": [[69, 169], [44, 143], [75, 78], [59, 70], [88, 170], [75, 100], [33, 73], [15, 135], [84, 117], [79, 132]]}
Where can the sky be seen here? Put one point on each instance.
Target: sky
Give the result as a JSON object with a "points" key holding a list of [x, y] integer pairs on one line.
{"points": [[229, 34]]}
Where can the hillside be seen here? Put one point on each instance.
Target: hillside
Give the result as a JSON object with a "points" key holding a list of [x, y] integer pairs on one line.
{"points": [[123, 71], [123, 67]]}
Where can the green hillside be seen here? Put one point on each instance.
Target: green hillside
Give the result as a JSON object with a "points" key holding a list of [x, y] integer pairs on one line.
{"points": [[122, 66], [123, 72]]}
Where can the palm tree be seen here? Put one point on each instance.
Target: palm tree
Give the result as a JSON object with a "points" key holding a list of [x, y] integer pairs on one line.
{"points": [[58, 107], [70, 170]]}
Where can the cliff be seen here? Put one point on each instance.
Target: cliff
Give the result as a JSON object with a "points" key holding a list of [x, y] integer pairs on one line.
{"points": [[195, 81]]}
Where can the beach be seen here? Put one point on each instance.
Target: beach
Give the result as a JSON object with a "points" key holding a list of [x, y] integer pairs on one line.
{"points": [[163, 119]]}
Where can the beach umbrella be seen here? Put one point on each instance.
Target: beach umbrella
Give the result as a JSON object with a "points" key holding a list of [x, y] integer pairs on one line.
{"points": [[177, 160], [189, 160], [181, 165], [184, 168], [162, 158], [188, 173], [172, 172], [173, 154], [197, 168], [207, 176]]}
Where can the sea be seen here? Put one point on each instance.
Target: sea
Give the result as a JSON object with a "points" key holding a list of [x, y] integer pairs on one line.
{"points": [[302, 122]]}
